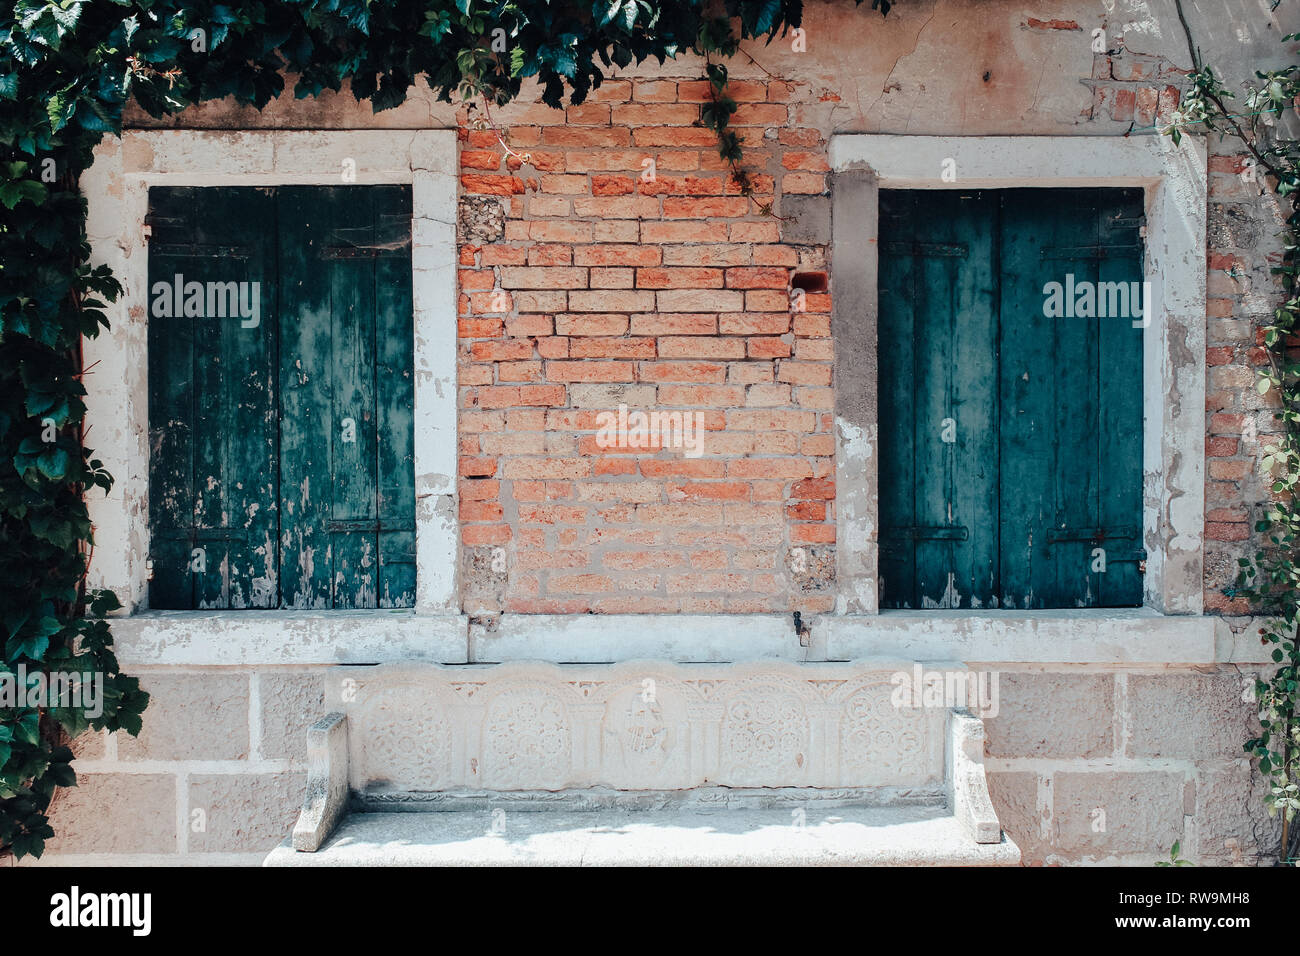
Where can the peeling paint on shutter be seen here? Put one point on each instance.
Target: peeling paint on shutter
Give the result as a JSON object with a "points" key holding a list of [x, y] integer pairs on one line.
{"points": [[283, 451]]}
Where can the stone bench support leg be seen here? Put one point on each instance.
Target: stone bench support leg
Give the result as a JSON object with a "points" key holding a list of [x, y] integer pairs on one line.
{"points": [[968, 794], [327, 782]]}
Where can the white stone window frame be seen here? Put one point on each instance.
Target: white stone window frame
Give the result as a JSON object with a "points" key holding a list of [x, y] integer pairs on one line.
{"points": [[1174, 182], [116, 188]]}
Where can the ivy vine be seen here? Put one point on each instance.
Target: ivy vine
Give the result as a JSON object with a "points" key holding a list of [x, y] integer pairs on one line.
{"points": [[1270, 578], [67, 70]]}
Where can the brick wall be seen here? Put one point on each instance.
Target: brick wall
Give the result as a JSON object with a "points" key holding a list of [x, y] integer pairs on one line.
{"points": [[589, 280]]}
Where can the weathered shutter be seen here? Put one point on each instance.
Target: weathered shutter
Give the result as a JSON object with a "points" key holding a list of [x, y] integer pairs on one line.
{"points": [[347, 509], [1042, 472], [1072, 404], [212, 404], [938, 437], [285, 449]]}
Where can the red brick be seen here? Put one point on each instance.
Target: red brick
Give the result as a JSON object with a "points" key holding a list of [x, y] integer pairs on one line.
{"points": [[812, 534], [775, 256], [681, 467], [606, 278], [481, 535], [506, 396], [480, 511], [1225, 424], [799, 137], [617, 207], [758, 278], [501, 351], [681, 278], [478, 467], [483, 183], [572, 232], [768, 347], [683, 207], [519, 371], [810, 162], [576, 136], [529, 325], [471, 280], [701, 347], [686, 186], [564, 185], [642, 115], [715, 255], [546, 468], [612, 185], [674, 136], [478, 328], [754, 232], [754, 323], [1221, 447], [552, 347], [619, 348], [697, 91], [480, 159], [814, 488], [768, 468], [657, 232], [477, 375], [591, 324], [698, 300], [614, 255], [699, 372], [1224, 531], [504, 256], [803, 183], [812, 326], [806, 511], [682, 323], [531, 277], [590, 371], [587, 114], [611, 301], [708, 491], [692, 396], [804, 373], [612, 91], [654, 91]]}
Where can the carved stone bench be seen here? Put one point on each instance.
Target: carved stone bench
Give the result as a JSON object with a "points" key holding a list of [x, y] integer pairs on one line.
{"points": [[640, 763]]}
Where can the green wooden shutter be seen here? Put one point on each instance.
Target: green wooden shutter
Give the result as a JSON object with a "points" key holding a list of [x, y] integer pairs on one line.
{"points": [[212, 402], [290, 443], [1010, 442], [937, 306]]}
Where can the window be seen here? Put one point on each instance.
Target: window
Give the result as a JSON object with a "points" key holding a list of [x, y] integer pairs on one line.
{"points": [[1010, 391], [280, 339]]}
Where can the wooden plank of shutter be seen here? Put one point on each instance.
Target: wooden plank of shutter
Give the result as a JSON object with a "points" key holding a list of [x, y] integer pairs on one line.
{"points": [[306, 398], [1120, 413], [897, 382], [354, 550], [1027, 423], [171, 417], [395, 397]]}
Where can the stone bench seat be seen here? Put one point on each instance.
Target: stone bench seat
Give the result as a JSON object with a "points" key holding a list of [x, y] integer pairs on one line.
{"points": [[641, 764]]}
